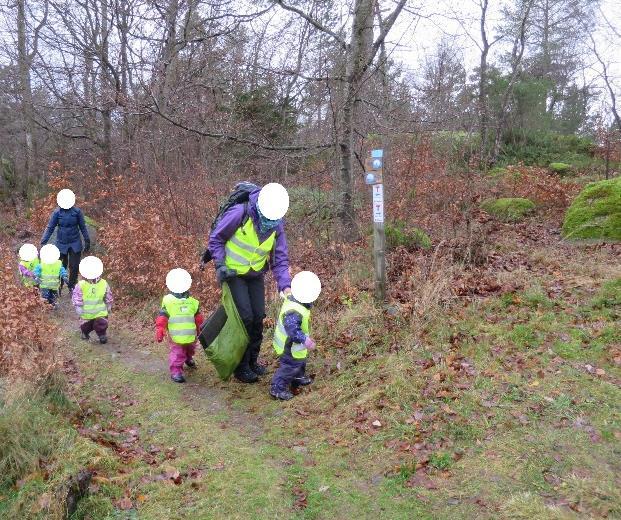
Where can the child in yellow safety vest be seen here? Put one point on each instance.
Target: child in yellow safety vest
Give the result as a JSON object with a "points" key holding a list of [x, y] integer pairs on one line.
{"points": [[92, 299], [49, 273], [28, 261], [181, 317], [292, 339]]}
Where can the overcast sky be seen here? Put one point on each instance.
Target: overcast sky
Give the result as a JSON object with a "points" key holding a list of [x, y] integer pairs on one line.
{"points": [[415, 39]]}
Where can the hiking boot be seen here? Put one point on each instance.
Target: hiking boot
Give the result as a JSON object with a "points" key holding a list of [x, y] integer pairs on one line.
{"points": [[178, 378], [245, 375], [85, 337], [301, 381], [191, 363], [103, 339], [259, 370], [281, 395]]}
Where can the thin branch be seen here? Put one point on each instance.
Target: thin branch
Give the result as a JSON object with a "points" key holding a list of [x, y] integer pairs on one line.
{"points": [[233, 138], [314, 22]]}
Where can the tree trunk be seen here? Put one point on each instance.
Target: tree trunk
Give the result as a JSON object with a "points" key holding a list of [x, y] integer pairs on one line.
{"points": [[25, 90], [360, 47], [482, 98], [106, 88], [519, 46]]}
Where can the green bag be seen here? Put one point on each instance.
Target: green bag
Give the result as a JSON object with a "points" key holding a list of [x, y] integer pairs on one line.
{"points": [[224, 336]]}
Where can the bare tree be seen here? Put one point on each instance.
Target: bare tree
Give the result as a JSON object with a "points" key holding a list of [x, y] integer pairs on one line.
{"points": [[26, 50], [520, 23], [360, 53]]}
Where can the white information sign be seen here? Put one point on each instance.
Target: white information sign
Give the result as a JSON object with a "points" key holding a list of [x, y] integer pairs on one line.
{"points": [[378, 203]]}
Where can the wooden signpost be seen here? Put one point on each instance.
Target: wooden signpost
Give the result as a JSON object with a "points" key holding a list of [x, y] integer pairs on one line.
{"points": [[374, 167]]}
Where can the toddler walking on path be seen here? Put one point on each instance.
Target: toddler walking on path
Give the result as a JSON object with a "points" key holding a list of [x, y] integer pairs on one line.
{"points": [[92, 299], [49, 273], [179, 315], [292, 339], [28, 261]]}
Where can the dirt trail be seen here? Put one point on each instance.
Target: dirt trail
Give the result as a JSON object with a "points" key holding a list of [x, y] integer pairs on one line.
{"points": [[200, 393]]}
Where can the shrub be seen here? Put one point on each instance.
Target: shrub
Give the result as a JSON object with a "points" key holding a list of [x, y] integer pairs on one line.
{"points": [[596, 213], [509, 209], [398, 233], [560, 168]]}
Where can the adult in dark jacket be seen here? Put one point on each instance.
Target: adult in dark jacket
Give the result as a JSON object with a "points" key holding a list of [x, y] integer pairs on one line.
{"points": [[248, 241], [70, 223]]}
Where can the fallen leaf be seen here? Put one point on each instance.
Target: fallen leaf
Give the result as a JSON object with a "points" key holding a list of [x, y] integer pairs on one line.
{"points": [[448, 410], [125, 503], [533, 383], [44, 501]]}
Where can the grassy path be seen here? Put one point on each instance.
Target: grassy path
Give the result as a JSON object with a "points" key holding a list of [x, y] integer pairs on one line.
{"points": [[208, 449]]}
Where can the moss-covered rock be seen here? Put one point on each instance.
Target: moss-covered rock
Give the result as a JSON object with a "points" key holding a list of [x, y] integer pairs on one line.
{"points": [[509, 209], [399, 233], [596, 213], [560, 168]]}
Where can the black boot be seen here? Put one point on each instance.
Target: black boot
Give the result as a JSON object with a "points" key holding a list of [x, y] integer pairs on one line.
{"points": [[178, 378], [103, 339], [259, 370], [301, 381], [191, 363], [85, 337], [282, 395], [245, 375]]}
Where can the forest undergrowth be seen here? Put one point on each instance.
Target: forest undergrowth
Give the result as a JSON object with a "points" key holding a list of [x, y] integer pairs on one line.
{"points": [[486, 387]]}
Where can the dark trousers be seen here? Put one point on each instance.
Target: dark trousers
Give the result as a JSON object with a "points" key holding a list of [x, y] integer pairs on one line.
{"points": [[99, 325], [249, 297], [288, 369], [49, 295], [72, 260]]}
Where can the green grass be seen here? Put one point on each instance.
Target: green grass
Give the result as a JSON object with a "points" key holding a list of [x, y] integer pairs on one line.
{"points": [[40, 451]]}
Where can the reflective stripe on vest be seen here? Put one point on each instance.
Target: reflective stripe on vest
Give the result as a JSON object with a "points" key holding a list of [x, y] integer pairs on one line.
{"points": [[27, 281], [298, 350], [245, 252], [93, 298], [181, 312], [50, 275]]}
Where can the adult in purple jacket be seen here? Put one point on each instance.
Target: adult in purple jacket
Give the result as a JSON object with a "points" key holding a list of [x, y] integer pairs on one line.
{"points": [[248, 240]]}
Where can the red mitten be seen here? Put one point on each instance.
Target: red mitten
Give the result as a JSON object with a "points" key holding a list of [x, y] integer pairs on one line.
{"points": [[161, 324], [198, 320]]}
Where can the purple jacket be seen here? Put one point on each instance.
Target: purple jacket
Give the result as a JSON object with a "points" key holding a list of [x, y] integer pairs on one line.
{"points": [[292, 322], [232, 220]]}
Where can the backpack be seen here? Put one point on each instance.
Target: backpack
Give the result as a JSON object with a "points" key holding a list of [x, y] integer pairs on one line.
{"points": [[240, 195]]}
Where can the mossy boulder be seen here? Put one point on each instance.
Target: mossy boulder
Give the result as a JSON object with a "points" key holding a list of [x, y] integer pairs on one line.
{"points": [[509, 209], [595, 214], [560, 168], [398, 233]]}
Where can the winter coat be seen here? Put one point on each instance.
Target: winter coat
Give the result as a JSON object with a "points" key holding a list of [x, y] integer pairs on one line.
{"points": [[70, 223]]}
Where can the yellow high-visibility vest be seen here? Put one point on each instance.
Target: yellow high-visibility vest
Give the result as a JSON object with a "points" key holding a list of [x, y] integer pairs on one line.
{"points": [[244, 251], [298, 350], [181, 312], [94, 296]]}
